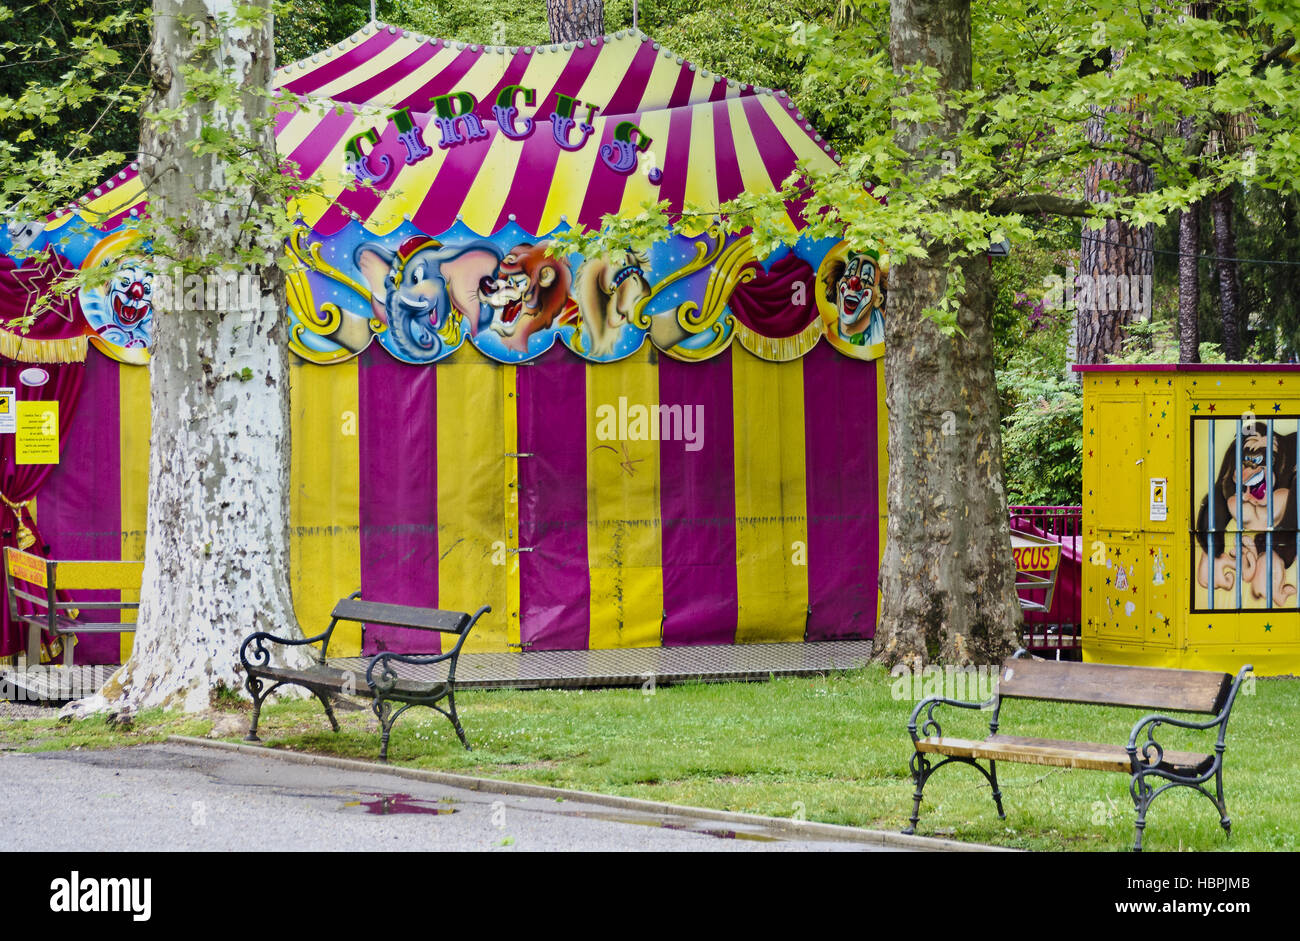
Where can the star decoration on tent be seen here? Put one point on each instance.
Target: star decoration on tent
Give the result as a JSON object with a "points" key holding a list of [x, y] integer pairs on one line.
{"points": [[37, 280]]}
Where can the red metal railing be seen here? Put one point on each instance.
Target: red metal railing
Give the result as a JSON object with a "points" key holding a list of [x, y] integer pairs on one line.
{"points": [[1057, 628]]}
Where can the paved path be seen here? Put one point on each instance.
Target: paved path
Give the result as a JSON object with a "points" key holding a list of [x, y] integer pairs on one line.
{"points": [[182, 797]]}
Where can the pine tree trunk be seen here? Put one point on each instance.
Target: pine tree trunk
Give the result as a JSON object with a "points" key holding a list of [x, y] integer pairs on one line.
{"points": [[1225, 247], [572, 20], [1191, 129], [947, 578], [1116, 262], [1189, 284], [217, 549]]}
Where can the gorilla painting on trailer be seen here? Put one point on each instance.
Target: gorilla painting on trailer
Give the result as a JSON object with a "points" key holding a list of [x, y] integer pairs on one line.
{"points": [[1267, 545]]}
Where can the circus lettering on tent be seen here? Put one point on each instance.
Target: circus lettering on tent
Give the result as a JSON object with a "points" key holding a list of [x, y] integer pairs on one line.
{"points": [[457, 123]]}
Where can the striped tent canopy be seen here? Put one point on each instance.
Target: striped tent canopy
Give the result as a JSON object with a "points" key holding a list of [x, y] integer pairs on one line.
{"points": [[445, 169]]}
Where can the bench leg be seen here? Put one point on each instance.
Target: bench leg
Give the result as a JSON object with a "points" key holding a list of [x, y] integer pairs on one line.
{"points": [[1143, 794], [921, 771], [384, 713], [455, 720], [997, 794], [254, 687], [329, 710], [33, 646], [1224, 820]]}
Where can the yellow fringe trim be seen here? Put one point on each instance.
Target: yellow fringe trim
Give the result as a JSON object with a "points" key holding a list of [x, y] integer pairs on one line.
{"points": [[780, 349], [23, 349]]}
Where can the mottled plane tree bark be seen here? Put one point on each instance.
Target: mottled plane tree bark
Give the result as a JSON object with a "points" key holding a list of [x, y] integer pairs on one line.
{"points": [[947, 579], [217, 550]]}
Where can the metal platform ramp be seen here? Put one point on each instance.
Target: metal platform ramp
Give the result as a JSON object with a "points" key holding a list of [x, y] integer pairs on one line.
{"points": [[50, 684], [571, 669], [541, 669]]}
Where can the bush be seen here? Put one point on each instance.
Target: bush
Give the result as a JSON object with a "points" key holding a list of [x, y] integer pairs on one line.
{"points": [[1042, 440]]}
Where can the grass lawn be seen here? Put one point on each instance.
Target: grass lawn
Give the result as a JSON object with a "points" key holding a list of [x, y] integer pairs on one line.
{"points": [[833, 749]]}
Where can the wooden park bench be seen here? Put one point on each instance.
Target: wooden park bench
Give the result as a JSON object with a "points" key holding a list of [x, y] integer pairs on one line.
{"points": [[63, 618], [388, 678], [1151, 768]]}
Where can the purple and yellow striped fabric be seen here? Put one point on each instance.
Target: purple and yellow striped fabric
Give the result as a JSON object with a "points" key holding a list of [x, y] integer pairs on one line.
{"points": [[404, 477]]}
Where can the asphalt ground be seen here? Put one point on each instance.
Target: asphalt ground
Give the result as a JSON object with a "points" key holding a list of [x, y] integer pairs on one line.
{"points": [[187, 797]]}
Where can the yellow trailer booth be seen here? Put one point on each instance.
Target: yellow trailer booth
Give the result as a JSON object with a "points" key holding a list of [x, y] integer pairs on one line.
{"points": [[678, 446], [1189, 516]]}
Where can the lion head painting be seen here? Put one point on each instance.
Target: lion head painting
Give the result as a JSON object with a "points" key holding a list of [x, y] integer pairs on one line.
{"points": [[528, 293], [608, 289]]}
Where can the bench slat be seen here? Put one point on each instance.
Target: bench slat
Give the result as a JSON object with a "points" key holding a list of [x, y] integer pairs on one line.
{"points": [[77, 575], [397, 615], [1107, 685], [65, 626], [1043, 751], [337, 681]]}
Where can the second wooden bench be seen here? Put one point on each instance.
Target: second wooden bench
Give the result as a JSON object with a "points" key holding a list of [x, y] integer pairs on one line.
{"points": [[1152, 769]]}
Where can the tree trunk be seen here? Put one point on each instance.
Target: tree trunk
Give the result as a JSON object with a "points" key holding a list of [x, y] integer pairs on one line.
{"points": [[1116, 262], [217, 546], [947, 578], [1189, 284], [1225, 247], [572, 20], [1192, 131]]}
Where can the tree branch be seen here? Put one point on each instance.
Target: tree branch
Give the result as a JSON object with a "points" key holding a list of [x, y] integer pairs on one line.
{"points": [[1041, 202], [1276, 54]]}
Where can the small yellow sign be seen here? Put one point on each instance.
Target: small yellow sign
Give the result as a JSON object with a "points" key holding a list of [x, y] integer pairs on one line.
{"points": [[26, 567], [37, 440]]}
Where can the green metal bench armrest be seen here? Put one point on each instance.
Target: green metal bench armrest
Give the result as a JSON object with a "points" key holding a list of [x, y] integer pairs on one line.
{"points": [[1153, 721], [387, 677], [261, 656], [929, 704]]}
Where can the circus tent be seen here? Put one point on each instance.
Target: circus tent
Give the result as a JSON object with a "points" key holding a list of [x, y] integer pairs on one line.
{"points": [[675, 446]]}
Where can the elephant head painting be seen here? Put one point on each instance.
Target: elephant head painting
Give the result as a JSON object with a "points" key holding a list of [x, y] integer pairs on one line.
{"points": [[416, 289]]}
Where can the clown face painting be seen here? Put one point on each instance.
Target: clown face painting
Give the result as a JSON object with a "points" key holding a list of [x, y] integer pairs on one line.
{"points": [[859, 300], [129, 298], [120, 312], [852, 289]]}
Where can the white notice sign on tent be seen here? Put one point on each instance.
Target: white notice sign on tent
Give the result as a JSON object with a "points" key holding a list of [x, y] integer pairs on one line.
{"points": [[8, 411]]}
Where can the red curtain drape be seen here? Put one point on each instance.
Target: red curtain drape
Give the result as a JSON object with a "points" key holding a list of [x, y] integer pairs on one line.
{"points": [[19, 484], [766, 304]]}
